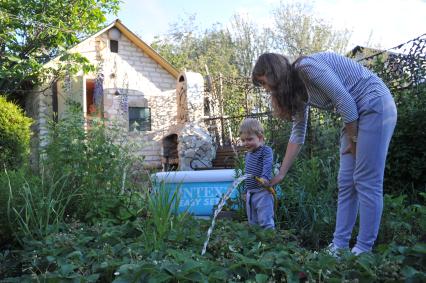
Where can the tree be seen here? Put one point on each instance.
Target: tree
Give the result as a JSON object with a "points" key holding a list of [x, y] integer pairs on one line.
{"points": [[187, 47], [250, 41], [297, 32], [232, 52], [33, 32]]}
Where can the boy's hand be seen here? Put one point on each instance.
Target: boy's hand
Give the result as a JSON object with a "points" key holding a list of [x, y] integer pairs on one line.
{"points": [[262, 182]]}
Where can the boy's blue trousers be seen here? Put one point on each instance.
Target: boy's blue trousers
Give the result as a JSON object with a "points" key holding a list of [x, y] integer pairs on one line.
{"points": [[260, 208]]}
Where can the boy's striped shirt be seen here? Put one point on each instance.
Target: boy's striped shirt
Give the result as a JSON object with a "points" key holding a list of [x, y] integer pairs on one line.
{"points": [[259, 164]]}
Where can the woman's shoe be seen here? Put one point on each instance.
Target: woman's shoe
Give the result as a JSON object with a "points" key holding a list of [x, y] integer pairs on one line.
{"points": [[334, 250], [356, 251]]}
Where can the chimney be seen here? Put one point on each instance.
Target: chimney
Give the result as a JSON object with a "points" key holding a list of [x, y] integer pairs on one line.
{"points": [[190, 98]]}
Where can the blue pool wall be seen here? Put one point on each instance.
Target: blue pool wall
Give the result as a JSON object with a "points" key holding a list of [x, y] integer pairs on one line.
{"points": [[200, 190]]}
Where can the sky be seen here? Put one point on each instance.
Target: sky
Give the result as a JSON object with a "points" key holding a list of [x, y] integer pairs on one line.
{"points": [[376, 23]]}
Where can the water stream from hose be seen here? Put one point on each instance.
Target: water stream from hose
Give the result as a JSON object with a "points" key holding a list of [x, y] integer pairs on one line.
{"points": [[222, 202]]}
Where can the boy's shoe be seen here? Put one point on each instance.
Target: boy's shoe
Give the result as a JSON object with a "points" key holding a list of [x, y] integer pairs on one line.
{"points": [[334, 250], [356, 251]]}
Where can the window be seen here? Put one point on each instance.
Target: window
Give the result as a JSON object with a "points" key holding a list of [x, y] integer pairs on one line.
{"points": [[139, 119], [113, 46]]}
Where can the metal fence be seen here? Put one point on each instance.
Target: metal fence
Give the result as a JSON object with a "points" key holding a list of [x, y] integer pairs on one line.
{"points": [[401, 67]]}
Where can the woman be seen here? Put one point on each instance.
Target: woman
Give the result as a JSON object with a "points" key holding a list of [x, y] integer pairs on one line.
{"points": [[333, 82]]}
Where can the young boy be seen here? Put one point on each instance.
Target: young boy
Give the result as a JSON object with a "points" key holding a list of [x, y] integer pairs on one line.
{"points": [[258, 163]]}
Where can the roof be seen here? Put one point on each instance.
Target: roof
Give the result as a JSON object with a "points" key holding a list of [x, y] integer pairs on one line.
{"points": [[371, 52], [139, 43], [146, 48], [362, 49]]}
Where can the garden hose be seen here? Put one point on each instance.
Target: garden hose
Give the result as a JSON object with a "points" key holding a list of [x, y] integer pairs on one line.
{"points": [[272, 191]]}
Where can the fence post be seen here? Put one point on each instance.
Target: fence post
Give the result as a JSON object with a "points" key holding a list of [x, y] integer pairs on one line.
{"points": [[221, 107]]}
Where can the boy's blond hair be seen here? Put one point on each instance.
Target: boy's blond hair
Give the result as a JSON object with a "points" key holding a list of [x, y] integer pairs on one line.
{"points": [[251, 126]]}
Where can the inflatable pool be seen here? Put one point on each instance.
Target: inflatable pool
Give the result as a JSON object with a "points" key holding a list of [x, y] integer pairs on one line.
{"points": [[200, 190]]}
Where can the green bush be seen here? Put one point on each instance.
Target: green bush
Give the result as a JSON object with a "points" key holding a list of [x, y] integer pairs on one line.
{"points": [[14, 134], [406, 164], [402, 223]]}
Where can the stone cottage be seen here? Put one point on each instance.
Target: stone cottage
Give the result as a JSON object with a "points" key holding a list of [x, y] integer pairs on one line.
{"points": [[159, 107]]}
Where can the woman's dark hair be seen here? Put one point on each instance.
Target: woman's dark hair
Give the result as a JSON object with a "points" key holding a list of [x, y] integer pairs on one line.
{"points": [[289, 94]]}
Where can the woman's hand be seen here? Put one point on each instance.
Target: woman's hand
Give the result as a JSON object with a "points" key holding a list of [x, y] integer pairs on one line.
{"points": [[352, 136], [290, 155], [351, 148], [276, 180]]}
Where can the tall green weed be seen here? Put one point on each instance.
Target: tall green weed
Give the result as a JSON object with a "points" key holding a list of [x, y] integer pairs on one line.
{"points": [[16, 180], [38, 208], [308, 204], [163, 215]]}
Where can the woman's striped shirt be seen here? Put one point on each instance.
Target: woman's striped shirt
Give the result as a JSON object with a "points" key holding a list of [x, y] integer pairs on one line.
{"points": [[335, 82]]}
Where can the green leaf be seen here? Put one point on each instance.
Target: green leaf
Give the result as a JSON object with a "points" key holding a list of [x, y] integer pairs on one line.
{"points": [[67, 269], [93, 277], [127, 268], [13, 58], [191, 265], [77, 254], [261, 278], [409, 272], [419, 248], [195, 277], [218, 275]]}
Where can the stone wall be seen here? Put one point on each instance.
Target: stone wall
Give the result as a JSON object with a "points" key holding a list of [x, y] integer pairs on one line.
{"points": [[196, 146], [163, 119], [32, 110]]}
